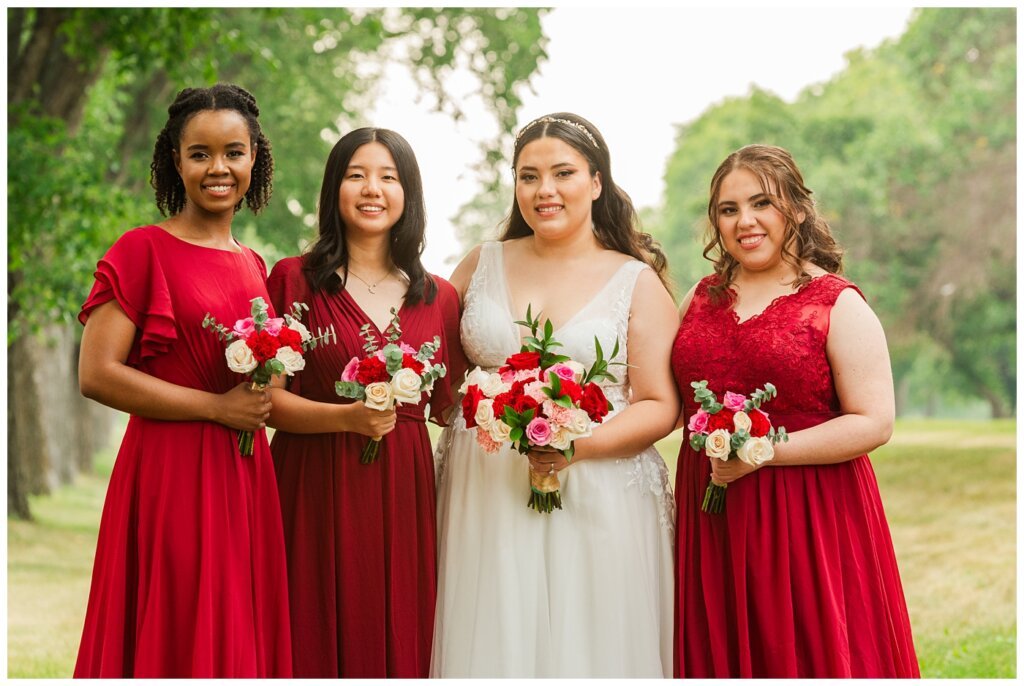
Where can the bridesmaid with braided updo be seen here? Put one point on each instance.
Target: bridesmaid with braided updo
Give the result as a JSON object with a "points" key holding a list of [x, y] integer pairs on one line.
{"points": [[189, 575]]}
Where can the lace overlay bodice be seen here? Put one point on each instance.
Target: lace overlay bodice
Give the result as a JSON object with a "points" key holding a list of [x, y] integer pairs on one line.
{"points": [[784, 345]]}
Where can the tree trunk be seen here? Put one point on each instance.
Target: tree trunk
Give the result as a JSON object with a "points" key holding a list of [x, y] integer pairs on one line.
{"points": [[28, 72]]}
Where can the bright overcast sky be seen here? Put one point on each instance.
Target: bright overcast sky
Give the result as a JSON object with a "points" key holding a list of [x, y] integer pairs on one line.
{"points": [[636, 73]]}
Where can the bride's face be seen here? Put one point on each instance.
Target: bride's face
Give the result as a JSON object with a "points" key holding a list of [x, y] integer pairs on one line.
{"points": [[555, 189]]}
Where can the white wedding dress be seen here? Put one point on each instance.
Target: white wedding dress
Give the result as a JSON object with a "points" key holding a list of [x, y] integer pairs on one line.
{"points": [[585, 591]]}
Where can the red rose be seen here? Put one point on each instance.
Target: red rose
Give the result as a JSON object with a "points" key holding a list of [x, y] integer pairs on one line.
{"points": [[520, 361], [573, 390], [263, 346], [410, 362], [469, 402], [500, 401], [593, 402], [721, 420], [759, 424], [290, 338], [524, 403], [372, 370]]}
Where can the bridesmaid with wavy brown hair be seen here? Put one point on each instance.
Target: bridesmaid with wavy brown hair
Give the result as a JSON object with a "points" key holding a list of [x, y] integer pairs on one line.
{"points": [[797, 576]]}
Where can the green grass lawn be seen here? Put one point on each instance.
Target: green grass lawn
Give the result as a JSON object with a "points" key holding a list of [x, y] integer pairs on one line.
{"points": [[949, 492]]}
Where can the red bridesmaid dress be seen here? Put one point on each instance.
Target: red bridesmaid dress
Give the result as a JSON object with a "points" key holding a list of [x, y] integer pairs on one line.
{"points": [[797, 577], [189, 574], [361, 538]]}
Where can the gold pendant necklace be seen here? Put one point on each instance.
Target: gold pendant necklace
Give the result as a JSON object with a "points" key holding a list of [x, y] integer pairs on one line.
{"points": [[372, 287]]}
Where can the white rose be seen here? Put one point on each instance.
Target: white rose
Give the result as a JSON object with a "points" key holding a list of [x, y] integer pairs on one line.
{"points": [[292, 360], [578, 369], [493, 385], [717, 444], [405, 385], [741, 421], [485, 413], [299, 328], [756, 451], [499, 430], [561, 439], [378, 396], [240, 357], [580, 423], [477, 377]]}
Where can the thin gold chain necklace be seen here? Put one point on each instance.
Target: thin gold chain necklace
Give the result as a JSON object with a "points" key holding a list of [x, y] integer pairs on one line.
{"points": [[372, 287]]}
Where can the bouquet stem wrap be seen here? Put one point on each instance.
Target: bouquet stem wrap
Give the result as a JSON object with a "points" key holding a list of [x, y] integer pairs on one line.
{"points": [[714, 497], [545, 495], [370, 452], [247, 438]]}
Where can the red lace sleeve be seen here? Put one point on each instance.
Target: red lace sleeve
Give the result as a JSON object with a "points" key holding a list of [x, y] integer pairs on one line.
{"points": [[132, 274], [831, 285], [452, 354]]}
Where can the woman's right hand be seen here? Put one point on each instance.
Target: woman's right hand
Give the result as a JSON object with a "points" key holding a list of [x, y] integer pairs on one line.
{"points": [[243, 408], [373, 423]]}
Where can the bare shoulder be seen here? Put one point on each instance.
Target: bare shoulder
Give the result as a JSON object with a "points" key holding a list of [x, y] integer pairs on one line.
{"points": [[651, 297]]}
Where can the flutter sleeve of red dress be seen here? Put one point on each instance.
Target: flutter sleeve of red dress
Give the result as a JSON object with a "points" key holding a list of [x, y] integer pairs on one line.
{"points": [[453, 357], [132, 274], [287, 284]]}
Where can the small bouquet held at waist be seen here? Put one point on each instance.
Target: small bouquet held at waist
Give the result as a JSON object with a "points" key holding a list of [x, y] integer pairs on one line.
{"points": [[261, 346], [394, 374], [734, 428], [537, 399]]}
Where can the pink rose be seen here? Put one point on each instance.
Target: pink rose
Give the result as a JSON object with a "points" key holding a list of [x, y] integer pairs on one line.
{"points": [[406, 348], [244, 328], [563, 371], [699, 422], [539, 432], [734, 401], [349, 373], [273, 326]]}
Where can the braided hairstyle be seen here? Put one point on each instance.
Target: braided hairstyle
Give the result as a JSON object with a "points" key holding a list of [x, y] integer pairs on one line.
{"points": [[407, 236], [810, 240], [164, 177], [616, 223]]}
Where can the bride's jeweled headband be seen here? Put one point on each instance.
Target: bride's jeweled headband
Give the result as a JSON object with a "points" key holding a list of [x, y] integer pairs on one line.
{"points": [[552, 120]]}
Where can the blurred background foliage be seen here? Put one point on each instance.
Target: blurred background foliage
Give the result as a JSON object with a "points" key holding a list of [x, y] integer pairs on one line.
{"points": [[88, 90]]}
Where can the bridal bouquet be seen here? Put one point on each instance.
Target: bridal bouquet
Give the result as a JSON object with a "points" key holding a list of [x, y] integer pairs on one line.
{"points": [[734, 428], [261, 346], [537, 399], [394, 374]]}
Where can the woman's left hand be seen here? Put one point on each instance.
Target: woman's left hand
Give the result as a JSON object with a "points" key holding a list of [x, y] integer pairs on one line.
{"points": [[730, 470], [547, 460]]}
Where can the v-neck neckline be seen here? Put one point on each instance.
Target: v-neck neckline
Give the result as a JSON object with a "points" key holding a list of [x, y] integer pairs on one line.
{"points": [[368, 319], [510, 306], [775, 302]]}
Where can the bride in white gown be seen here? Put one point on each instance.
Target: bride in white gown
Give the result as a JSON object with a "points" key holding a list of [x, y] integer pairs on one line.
{"points": [[585, 591]]}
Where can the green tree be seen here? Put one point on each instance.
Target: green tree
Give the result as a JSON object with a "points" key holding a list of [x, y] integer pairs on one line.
{"points": [[911, 152]]}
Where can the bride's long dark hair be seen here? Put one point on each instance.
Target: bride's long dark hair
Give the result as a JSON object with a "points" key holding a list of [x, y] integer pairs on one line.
{"points": [[330, 251], [616, 223]]}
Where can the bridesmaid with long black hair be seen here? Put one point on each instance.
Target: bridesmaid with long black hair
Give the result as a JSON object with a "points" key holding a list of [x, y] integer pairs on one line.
{"points": [[361, 537], [190, 568]]}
